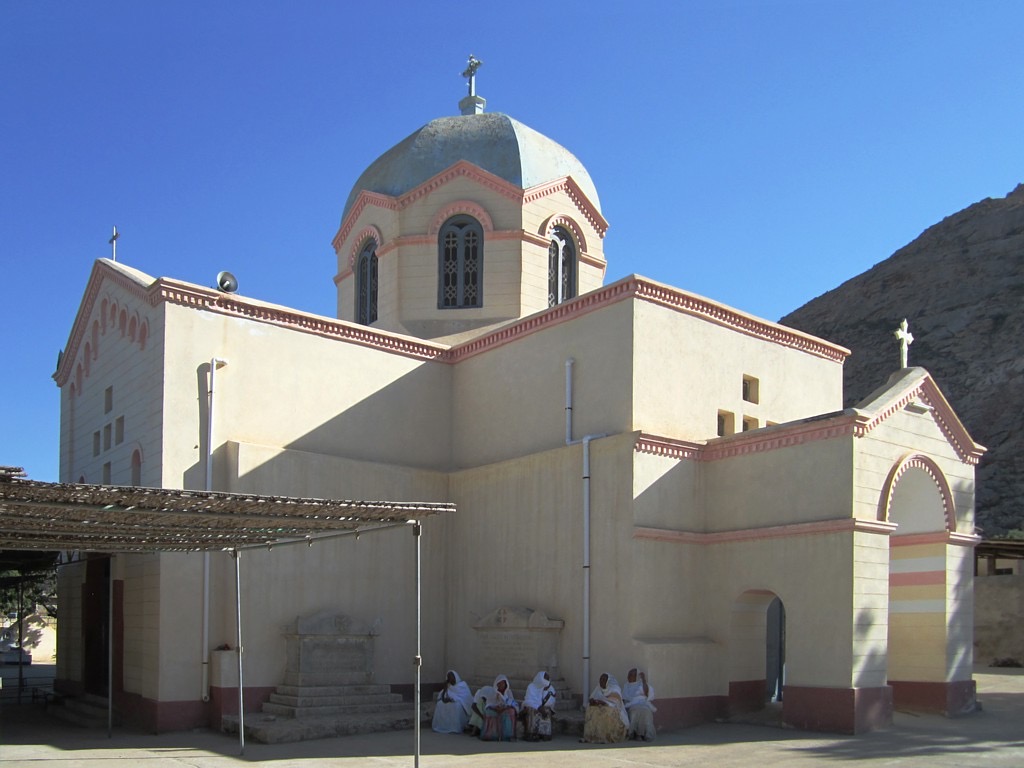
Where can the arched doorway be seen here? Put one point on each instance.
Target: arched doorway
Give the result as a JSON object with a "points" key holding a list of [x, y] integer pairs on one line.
{"points": [[757, 651], [930, 618]]}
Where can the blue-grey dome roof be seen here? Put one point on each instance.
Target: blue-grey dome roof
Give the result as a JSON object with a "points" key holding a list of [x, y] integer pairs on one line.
{"points": [[492, 141]]}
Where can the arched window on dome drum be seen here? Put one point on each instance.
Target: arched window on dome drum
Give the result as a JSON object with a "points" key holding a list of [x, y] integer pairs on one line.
{"points": [[460, 263], [561, 267], [366, 284]]}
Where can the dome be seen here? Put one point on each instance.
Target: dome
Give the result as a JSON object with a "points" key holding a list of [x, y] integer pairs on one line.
{"points": [[492, 141]]}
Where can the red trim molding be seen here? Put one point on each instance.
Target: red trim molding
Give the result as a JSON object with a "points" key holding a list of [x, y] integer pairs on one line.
{"points": [[746, 695], [818, 528], [950, 699], [837, 710]]}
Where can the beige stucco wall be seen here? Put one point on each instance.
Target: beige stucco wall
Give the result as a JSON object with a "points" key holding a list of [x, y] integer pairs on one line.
{"points": [[133, 371], [510, 400], [801, 483], [685, 369], [300, 391], [902, 434]]}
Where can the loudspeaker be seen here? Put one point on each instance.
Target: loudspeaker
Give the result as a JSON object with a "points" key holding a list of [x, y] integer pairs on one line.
{"points": [[226, 282]]}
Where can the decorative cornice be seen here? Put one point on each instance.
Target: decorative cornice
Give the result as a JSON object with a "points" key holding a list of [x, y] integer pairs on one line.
{"points": [[228, 304], [465, 169], [923, 389], [668, 447], [693, 304], [369, 232], [364, 200], [672, 298], [951, 538], [930, 468], [818, 528], [568, 185], [467, 207], [101, 274], [828, 427], [567, 310], [561, 220]]}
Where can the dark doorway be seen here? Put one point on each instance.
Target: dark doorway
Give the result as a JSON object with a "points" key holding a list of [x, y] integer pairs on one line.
{"points": [[775, 663], [96, 625]]}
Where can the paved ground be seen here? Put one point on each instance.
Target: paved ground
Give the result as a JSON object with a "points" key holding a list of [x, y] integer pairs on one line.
{"points": [[993, 737]]}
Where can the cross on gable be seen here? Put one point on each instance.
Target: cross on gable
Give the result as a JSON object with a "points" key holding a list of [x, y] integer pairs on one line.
{"points": [[906, 338]]}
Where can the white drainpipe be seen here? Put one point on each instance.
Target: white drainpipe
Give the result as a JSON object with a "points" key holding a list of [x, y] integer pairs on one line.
{"points": [[586, 520], [204, 692]]}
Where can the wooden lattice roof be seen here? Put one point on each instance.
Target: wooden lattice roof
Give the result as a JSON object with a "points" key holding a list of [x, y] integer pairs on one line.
{"points": [[104, 518]]}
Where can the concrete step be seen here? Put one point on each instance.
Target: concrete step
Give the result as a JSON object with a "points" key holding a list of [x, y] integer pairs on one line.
{"points": [[268, 729], [87, 711], [305, 713], [332, 690], [326, 700]]}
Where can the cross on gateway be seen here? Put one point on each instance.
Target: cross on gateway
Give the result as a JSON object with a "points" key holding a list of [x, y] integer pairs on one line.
{"points": [[906, 339]]}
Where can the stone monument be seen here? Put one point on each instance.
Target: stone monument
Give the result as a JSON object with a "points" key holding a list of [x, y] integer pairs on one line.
{"points": [[327, 648], [518, 642]]}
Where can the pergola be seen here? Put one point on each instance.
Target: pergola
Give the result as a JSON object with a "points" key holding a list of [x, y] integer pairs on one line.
{"points": [[118, 519]]}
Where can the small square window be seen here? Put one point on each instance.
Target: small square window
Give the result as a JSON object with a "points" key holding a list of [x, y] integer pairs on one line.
{"points": [[726, 423], [108, 399], [751, 389], [96, 443], [106, 438], [119, 430], [749, 423]]}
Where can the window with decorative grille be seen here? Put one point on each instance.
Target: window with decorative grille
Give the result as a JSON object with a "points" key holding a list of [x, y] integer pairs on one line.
{"points": [[561, 267], [461, 257]]}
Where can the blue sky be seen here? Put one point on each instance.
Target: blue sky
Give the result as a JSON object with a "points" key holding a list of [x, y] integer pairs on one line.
{"points": [[757, 153]]}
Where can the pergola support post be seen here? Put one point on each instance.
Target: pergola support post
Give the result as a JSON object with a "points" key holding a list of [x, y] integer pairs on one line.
{"points": [[237, 554], [416, 530]]}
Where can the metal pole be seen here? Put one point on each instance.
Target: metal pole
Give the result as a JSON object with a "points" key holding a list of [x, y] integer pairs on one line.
{"points": [[416, 529], [238, 644], [21, 636], [110, 647]]}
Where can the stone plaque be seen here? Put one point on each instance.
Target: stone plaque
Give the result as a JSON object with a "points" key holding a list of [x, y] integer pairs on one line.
{"points": [[329, 649], [517, 642]]}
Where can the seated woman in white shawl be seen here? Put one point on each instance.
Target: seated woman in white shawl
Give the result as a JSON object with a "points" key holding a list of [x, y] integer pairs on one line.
{"points": [[538, 706], [606, 721], [638, 696], [454, 705], [500, 712], [476, 717]]}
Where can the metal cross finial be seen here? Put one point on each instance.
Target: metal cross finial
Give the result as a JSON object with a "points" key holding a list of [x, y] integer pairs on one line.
{"points": [[470, 72], [906, 339], [113, 245]]}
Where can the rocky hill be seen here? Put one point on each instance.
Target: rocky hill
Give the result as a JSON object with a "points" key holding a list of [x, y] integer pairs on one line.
{"points": [[961, 287]]}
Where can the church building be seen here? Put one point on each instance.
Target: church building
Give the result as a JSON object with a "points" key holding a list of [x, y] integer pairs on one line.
{"points": [[642, 477]]}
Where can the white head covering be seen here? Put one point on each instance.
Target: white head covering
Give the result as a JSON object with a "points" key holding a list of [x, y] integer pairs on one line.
{"points": [[537, 691], [499, 698], [611, 695], [460, 691], [633, 693]]}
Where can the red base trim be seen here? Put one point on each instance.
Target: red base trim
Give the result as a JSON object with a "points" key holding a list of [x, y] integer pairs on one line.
{"points": [[688, 712], [950, 699], [837, 710], [224, 701], [159, 716], [747, 695]]}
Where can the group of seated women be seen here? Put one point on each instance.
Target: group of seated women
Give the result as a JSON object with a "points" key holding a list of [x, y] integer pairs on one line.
{"points": [[615, 714], [493, 713]]}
